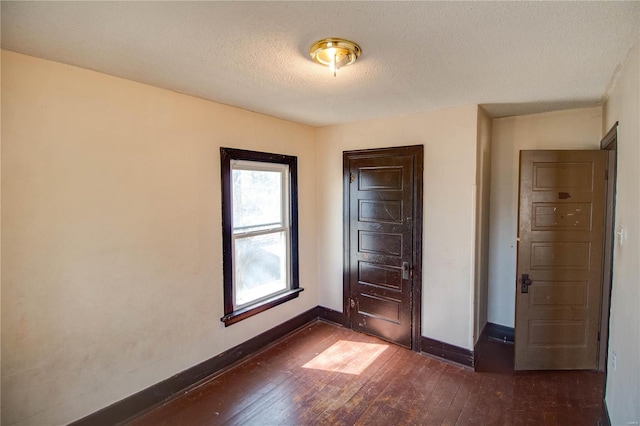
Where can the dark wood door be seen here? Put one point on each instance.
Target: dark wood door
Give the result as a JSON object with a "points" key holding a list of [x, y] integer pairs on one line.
{"points": [[382, 200], [561, 226]]}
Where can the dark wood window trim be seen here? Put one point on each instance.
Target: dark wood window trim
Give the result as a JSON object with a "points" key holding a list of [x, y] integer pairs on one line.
{"points": [[226, 156]]}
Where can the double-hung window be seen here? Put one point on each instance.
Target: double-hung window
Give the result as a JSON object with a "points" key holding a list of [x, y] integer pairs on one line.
{"points": [[260, 231]]}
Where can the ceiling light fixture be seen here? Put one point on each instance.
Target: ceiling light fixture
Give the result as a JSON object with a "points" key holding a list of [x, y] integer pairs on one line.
{"points": [[334, 52]]}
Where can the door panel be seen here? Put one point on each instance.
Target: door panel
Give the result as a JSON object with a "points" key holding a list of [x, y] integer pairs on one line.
{"points": [[379, 198], [561, 223], [381, 243], [380, 211], [379, 275]]}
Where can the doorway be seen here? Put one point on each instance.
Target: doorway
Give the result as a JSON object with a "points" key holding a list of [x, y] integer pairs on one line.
{"points": [[383, 243]]}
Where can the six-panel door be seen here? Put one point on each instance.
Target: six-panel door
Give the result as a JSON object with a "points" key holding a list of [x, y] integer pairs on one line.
{"points": [[558, 287], [381, 242]]}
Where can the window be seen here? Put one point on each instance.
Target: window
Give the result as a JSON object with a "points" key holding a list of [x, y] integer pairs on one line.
{"points": [[259, 232]]}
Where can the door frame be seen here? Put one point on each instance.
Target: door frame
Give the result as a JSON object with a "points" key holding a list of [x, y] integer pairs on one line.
{"points": [[417, 152], [608, 143]]}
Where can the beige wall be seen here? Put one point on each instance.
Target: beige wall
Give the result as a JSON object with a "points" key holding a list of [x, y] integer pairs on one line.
{"points": [[449, 138], [571, 129], [623, 382], [483, 191], [111, 242]]}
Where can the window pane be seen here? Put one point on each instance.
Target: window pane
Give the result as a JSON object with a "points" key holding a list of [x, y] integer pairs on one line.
{"points": [[260, 266], [257, 198]]}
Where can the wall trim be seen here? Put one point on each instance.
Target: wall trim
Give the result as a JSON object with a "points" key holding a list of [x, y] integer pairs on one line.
{"points": [[456, 354], [330, 315], [500, 332], [155, 395]]}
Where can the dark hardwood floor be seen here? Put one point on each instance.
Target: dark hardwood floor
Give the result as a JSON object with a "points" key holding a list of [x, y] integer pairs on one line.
{"points": [[327, 375]]}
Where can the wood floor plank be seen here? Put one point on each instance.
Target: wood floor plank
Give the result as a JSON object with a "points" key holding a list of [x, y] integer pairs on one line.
{"points": [[392, 404], [245, 384], [444, 394], [282, 395], [300, 398], [304, 380], [359, 402], [337, 389], [468, 385]]}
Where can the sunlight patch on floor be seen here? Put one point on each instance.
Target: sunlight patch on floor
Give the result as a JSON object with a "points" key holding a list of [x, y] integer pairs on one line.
{"points": [[346, 357]]}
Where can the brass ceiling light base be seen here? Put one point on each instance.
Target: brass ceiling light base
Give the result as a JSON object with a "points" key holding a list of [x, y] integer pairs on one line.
{"points": [[334, 52]]}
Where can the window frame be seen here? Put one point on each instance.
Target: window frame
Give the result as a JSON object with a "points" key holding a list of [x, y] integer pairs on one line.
{"points": [[283, 226], [227, 156]]}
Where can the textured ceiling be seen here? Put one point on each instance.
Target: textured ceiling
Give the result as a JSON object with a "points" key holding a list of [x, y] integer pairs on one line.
{"points": [[512, 57]]}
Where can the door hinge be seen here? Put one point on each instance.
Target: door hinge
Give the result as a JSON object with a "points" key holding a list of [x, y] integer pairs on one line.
{"points": [[352, 303], [352, 178], [598, 336]]}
